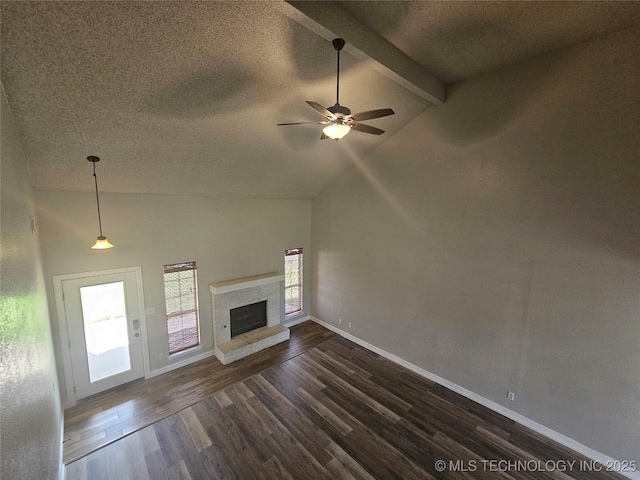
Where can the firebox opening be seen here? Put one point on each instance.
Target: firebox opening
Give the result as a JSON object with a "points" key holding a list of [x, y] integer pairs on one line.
{"points": [[248, 317]]}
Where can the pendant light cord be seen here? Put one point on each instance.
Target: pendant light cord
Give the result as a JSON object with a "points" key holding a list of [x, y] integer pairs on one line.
{"points": [[95, 179]]}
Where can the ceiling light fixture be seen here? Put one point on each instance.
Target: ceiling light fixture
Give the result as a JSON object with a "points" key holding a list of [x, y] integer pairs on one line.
{"points": [[338, 119], [101, 243], [336, 130]]}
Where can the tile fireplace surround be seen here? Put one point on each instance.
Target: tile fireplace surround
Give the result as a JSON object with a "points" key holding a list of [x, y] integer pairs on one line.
{"points": [[238, 293]]}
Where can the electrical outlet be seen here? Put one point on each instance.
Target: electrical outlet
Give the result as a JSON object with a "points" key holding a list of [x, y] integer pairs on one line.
{"points": [[161, 356], [340, 320], [511, 396], [349, 324]]}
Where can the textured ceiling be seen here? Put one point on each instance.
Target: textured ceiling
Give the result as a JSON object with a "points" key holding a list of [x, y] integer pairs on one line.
{"points": [[456, 39], [184, 97]]}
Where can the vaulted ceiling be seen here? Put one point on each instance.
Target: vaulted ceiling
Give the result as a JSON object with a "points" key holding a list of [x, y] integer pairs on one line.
{"points": [[184, 97]]}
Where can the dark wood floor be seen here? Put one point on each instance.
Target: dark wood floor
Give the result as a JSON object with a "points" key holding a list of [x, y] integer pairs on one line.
{"points": [[104, 418], [336, 411]]}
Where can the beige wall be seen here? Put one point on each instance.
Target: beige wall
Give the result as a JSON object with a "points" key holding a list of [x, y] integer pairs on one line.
{"points": [[30, 413], [495, 242], [227, 238]]}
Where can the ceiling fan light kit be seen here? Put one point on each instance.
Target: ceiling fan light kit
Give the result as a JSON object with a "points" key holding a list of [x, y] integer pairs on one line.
{"points": [[336, 131], [338, 119]]}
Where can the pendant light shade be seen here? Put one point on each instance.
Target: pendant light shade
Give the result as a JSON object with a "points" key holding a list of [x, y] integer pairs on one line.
{"points": [[101, 243]]}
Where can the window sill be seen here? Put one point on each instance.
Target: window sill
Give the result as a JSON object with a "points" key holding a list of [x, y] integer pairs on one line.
{"points": [[185, 352], [293, 315]]}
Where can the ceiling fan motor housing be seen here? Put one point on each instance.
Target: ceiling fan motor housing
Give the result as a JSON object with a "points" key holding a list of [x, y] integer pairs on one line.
{"points": [[339, 111]]}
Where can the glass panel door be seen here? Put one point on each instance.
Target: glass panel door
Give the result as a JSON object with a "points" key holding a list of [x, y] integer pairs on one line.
{"points": [[105, 330], [103, 324]]}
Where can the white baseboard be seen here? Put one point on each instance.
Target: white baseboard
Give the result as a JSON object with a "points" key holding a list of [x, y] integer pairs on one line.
{"points": [[183, 363], [202, 356], [522, 420], [296, 321], [197, 358]]}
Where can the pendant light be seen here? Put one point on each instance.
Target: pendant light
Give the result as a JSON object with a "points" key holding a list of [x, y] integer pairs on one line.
{"points": [[101, 243]]}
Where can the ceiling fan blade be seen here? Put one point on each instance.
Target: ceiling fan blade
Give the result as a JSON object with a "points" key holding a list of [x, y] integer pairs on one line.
{"points": [[321, 110], [323, 136], [361, 127], [383, 112], [304, 123]]}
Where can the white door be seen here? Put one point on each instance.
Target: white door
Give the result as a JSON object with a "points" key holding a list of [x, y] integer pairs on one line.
{"points": [[104, 331]]}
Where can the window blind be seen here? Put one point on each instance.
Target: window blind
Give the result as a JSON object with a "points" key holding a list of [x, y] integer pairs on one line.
{"points": [[292, 280], [181, 301]]}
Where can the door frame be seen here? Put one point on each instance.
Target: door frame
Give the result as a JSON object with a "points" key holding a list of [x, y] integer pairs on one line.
{"points": [[63, 332]]}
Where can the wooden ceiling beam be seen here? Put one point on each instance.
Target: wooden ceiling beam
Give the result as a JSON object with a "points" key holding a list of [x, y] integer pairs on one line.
{"points": [[330, 21]]}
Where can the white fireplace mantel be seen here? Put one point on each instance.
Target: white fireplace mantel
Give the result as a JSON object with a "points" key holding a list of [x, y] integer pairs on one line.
{"points": [[247, 282]]}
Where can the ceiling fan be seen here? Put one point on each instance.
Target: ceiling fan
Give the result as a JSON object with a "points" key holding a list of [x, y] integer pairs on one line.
{"points": [[338, 119]]}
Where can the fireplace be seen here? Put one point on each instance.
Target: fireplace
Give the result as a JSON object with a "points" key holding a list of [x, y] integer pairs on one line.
{"points": [[248, 317], [261, 296]]}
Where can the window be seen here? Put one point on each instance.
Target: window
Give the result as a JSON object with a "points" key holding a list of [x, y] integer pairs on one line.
{"points": [[292, 281], [181, 300]]}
